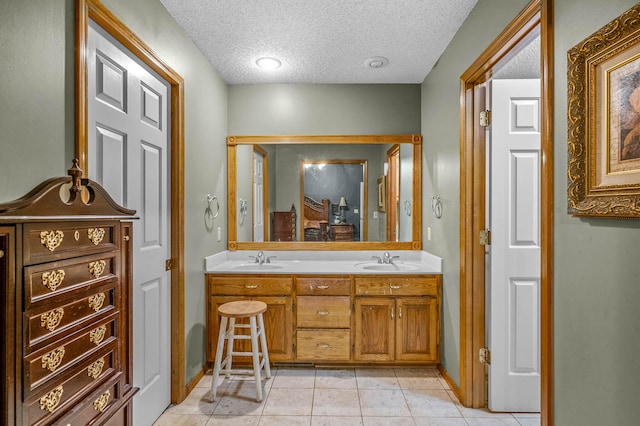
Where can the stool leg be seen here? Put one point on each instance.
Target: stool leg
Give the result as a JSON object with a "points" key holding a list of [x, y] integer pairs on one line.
{"points": [[230, 339], [218, 360], [263, 346], [256, 357]]}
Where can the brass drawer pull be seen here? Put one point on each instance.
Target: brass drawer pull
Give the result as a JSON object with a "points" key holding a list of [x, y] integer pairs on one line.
{"points": [[97, 268], [323, 346], [76, 235], [53, 359], [95, 235], [51, 320], [53, 279], [96, 335], [400, 312], [95, 369], [323, 312], [395, 287], [51, 400], [1, 254], [251, 286], [96, 301], [126, 238], [52, 239], [101, 403], [322, 287], [393, 313]]}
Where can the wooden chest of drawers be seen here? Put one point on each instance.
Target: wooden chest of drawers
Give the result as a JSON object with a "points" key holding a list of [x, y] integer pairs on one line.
{"points": [[65, 274]]}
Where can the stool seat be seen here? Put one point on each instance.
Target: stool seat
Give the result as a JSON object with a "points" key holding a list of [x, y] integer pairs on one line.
{"points": [[229, 312], [242, 308]]}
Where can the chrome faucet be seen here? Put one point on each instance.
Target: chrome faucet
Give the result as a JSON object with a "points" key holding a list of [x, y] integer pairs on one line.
{"points": [[377, 258], [259, 258], [387, 258]]}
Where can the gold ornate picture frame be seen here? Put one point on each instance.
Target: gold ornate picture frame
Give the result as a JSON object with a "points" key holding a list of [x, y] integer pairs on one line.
{"points": [[604, 121]]}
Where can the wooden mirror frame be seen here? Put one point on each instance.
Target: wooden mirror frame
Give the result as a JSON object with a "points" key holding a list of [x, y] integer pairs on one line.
{"points": [[416, 213]]}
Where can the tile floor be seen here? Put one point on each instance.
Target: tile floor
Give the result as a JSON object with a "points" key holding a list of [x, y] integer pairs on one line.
{"points": [[326, 397]]}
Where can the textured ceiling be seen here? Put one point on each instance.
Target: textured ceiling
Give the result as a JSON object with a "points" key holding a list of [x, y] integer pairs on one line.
{"points": [[321, 41]]}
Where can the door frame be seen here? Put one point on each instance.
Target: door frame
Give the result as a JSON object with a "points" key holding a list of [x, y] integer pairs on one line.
{"points": [[95, 10], [265, 191], [536, 16], [393, 158]]}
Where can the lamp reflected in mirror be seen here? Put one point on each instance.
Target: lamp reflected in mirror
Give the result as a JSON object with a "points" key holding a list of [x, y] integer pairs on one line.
{"points": [[343, 207]]}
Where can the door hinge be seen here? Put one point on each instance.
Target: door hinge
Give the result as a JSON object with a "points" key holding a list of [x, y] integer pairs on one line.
{"points": [[485, 118], [168, 265], [485, 237], [485, 356]]}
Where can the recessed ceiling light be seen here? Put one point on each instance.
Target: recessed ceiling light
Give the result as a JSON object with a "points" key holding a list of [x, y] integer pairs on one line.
{"points": [[268, 63], [376, 62]]}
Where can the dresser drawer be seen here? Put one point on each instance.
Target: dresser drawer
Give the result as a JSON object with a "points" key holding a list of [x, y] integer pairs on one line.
{"points": [[324, 311], [97, 403], [249, 285], [396, 286], [45, 242], [49, 402], [45, 324], [43, 365], [61, 278], [323, 345], [323, 286]]}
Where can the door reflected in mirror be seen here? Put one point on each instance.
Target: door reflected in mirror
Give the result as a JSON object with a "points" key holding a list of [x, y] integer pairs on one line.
{"points": [[315, 190]]}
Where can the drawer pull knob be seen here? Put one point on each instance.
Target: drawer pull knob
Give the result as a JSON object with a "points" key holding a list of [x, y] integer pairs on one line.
{"points": [[126, 238], [323, 287], [97, 268], [95, 369], [53, 359], [76, 235], [95, 235], [324, 346], [51, 320], [53, 279], [323, 312], [251, 286], [96, 301], [1, 254], [96, 335], [51, 400], [51, 239], [395, 287], [101, 403]]}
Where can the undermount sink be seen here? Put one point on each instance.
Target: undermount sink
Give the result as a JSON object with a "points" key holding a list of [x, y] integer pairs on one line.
{"points": [[388, 267], [257, 267]]}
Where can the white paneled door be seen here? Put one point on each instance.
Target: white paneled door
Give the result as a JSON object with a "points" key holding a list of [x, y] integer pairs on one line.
{"points": [[514, 334], [128, 153]]}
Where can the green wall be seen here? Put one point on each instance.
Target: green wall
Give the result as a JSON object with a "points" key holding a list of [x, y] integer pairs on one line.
{"points": [[37, 96], [322, 109], [596, 270], [441, 156]]}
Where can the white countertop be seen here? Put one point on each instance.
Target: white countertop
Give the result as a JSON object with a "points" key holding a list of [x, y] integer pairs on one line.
{"points": [[323, 262]]}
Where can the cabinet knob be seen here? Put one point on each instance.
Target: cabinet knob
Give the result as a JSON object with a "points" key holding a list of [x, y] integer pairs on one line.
{"points": [[126, 238], [1, 254]]}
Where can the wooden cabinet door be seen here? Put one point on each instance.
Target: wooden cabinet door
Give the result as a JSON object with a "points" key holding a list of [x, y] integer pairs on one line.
{"points": [[374, 334], [278, 324], [416, 329]]}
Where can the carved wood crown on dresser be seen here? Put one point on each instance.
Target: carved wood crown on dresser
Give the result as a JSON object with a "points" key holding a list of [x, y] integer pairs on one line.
{"points": [[65, 275]]}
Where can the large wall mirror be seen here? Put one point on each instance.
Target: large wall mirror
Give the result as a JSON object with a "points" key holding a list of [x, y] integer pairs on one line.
{"points": [[324, 192]]}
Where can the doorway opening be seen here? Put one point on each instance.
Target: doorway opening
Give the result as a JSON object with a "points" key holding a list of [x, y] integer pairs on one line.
{"points": [[535, 18]]}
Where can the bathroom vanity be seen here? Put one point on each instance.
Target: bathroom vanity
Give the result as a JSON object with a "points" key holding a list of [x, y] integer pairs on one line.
{"points": [[334, 307]]}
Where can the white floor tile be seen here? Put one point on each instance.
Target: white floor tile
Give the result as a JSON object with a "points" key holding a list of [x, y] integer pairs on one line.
{"points": [[336, 402], [289, 402], [383, 403], [336, 379], [336, 421]]}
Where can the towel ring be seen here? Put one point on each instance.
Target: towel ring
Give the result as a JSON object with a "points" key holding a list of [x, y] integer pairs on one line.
{"points": [[436, 206], [210, 199]]}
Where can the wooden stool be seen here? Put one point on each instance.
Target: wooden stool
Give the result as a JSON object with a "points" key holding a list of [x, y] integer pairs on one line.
{"points": [[253, 310]]}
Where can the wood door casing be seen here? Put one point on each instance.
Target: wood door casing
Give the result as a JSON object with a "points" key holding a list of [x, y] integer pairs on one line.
{"points": [[374, 331]]}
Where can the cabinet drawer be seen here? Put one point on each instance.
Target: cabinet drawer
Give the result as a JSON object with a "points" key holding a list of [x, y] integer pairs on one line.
{"points": [[46, 404], [43, 365], [44, 242], [324, 311], [46, 323], [67, 276], [99, 402], [323, 286], [249, 285], [323, 345], [396, 286]]}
